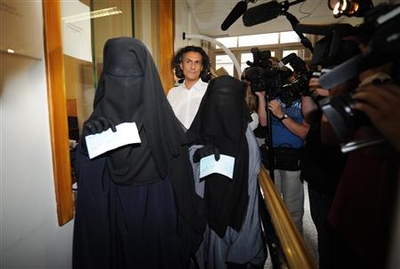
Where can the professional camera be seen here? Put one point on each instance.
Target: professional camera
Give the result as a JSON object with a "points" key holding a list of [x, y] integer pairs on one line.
{"points": [[381, 32], [266, 74], [300, 78], [263, 73]]}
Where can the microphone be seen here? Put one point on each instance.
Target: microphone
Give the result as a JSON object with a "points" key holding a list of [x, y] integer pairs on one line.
{"points": [[326, 29], [262, 13], [236, 12]]}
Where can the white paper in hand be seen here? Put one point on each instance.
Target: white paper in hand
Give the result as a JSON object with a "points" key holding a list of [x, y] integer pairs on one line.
{"points": [[223, 166], [127, 133]]}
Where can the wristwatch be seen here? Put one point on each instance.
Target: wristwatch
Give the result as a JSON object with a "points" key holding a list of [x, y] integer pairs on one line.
{"points": [[285, 116]]}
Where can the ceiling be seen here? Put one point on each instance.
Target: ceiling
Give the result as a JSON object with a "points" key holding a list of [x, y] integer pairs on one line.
{"points": [[209, 15]]}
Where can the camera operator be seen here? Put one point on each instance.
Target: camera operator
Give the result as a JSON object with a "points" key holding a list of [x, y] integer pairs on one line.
{"points": [[321, 176], [381, 103], [288, 134], [361, 211], [251, 101], [364, 204]]}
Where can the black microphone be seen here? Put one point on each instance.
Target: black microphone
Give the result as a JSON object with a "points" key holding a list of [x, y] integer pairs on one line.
{"points": [[261, 13], [326, 29], [236, 12]]}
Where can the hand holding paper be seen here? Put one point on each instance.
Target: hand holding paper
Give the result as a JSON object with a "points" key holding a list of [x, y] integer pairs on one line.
{"points": [[127, 133]]}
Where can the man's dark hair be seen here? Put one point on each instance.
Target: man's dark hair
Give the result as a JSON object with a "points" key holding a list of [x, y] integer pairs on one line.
{"points": [[177, 60]]}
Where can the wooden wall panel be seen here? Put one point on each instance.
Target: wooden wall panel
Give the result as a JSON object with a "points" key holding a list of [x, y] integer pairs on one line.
{"points": [[166, 47], [58, 110]]}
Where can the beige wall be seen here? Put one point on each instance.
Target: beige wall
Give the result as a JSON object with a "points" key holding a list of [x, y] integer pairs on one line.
{"points": [[30, 234]]}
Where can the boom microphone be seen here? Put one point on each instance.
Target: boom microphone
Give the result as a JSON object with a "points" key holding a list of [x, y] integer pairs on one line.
{"points": [[261, 13], [344, 29], [236, 12]]}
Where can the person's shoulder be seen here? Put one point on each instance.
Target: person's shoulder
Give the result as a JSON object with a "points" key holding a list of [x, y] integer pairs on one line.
{"points": [[175, 88], [201, 84]]}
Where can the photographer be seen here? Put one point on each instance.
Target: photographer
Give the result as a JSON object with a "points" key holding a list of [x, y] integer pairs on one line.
{"points": [[288, 132], [364, 204], [361, 211], [381, 103], [321, 176]]}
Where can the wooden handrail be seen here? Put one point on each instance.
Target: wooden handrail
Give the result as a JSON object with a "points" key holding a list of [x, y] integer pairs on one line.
{"points": [[292, 243]]}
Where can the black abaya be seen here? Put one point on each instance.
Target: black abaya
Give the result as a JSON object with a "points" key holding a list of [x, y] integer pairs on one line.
{"points": [[136, 205]]}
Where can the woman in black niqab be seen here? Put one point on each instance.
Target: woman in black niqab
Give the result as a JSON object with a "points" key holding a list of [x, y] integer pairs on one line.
{"points": [[136, 205], [233, 238], [222, 121]]}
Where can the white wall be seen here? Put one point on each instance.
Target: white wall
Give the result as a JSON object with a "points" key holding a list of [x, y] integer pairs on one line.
{"points": [[184, 23], [30, 235]]}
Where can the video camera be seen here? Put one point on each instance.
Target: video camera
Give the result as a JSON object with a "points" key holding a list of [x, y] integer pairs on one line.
{"points": [[268, 74], [380, 30], [300, 78], [263, 74]]}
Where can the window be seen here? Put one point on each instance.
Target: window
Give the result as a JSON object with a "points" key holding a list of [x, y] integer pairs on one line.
{"points": [[280, 44], [289, 37], [258, 40], [224, 61], [229, 42]]}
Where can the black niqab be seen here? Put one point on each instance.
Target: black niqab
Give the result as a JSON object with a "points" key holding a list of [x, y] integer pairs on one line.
{"points": [[130, 90], [222, 121]]}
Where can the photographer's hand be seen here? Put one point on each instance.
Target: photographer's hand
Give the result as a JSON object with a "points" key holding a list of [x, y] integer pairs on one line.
{"points": [[316, 89], [381, 103], [276, 108]]}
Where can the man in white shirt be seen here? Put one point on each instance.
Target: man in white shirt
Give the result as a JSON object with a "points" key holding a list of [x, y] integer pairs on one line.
{"points": [[191, 64]]}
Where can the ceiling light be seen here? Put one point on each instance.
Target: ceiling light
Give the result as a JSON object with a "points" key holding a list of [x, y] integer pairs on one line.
{"points": [[349, 8], [92, 15]]}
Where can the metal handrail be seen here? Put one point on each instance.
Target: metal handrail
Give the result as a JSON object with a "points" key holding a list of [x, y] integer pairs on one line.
{"points": [[291, 243]]}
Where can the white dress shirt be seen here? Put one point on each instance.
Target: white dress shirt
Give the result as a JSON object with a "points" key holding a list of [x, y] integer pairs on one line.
{"points": [[185, 102]]}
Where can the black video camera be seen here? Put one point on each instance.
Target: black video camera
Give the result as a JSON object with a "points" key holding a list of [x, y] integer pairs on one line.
{"points": [[278, 80], [381, 32], [300, 78], [261, 73]]}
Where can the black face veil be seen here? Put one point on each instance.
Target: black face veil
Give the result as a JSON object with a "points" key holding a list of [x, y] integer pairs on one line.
{"points": [[130, 90], [222, 121]]}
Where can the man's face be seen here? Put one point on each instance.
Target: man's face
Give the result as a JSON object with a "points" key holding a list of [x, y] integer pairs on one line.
{"points": [[191, 65]]}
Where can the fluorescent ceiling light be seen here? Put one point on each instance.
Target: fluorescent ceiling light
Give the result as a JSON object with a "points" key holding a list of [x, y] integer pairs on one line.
{"points": [[92, 15]]}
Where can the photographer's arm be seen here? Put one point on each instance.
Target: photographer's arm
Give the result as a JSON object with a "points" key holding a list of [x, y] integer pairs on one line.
{"points": [[308, 106], [328, 136], [308, 109], [262, 113]]}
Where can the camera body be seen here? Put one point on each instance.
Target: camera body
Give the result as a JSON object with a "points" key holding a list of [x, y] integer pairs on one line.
{"points": [[299, 80], [263, 74], [383, 40], [267, 74]]}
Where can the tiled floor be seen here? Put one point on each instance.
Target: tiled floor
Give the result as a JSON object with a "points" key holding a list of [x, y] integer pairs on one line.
{"points": [[309, 231]]}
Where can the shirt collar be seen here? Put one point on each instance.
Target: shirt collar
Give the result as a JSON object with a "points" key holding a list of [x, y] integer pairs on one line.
{"points": [[195, 86]]}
